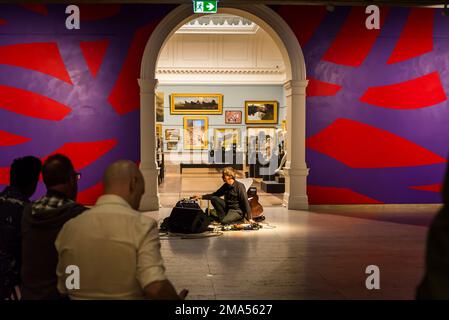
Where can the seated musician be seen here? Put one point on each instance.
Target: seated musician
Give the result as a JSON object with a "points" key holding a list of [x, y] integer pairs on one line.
{"points": [[235, 206]]}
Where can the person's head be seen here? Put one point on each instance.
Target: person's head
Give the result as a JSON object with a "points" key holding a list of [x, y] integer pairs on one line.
{"points": [[124, 179], [24, 174], [60, 175], [228, 175]]}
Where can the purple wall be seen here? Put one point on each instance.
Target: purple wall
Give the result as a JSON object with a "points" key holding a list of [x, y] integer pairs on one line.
{"points": [[377, 112]]}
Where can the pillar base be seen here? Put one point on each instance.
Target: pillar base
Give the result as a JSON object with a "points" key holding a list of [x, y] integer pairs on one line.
{"points": [[150, 200], [295, 196], [296, 202]]}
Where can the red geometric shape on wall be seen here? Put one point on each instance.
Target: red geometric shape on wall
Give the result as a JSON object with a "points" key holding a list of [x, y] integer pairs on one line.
{"points": [[93, 52], [36, 8], [93, 12], [4, 176], [83, 154], [437, 187], [31, 104], [125, 97], [317, 88], [359, 145], [332, 195], [303, 20], [42, 56], [90, 195], [354, 41], [416, 37], [9, 139], [3, 22], [417, 93]]}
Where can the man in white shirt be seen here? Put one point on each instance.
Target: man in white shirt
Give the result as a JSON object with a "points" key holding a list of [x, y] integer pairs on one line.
{"points": [[115, 248]]}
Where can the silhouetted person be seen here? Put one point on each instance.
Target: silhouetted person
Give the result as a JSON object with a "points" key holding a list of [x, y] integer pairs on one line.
{"points": [[41, 223], [435, 284], [24, 175], [115, 247]]}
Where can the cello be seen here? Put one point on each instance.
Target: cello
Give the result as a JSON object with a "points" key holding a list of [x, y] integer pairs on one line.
{"points": [[256, 207]]}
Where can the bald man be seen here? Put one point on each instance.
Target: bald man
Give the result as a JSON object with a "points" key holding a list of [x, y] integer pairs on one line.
{"points": [[115, 248]]}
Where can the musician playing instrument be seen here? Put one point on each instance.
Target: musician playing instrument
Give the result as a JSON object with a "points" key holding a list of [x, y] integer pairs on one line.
{"points": [[235, 206]]}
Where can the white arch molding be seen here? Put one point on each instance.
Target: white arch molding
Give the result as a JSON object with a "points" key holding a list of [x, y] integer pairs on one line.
{"points": [[295, 196]]}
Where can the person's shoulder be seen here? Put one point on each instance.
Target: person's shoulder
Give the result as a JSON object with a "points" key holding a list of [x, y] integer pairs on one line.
{"points": [[146, 221], [240, 185], [76, 208]]}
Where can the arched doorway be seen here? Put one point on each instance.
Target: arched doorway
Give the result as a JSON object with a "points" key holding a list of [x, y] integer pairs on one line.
{"points": [[295, 196]]}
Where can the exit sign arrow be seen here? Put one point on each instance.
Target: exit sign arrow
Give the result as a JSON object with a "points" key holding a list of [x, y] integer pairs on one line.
{"points": [[206, 6]]}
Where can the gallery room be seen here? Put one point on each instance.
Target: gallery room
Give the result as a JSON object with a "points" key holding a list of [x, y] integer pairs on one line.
{"points": [[307, 140]]}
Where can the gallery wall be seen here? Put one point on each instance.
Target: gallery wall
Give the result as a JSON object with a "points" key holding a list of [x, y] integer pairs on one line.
{"points": [[234, 98], [377, 109]]}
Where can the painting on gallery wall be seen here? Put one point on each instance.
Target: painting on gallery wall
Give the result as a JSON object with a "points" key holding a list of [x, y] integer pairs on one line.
{"points": [[172, 145], [172, 134], [187, 103], [262, 139], [226, 137], [258, 112], [158, 130], [195, 133], [159, 107], [233, 117]]}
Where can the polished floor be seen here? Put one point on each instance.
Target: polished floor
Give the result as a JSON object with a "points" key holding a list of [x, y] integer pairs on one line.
{"points": [[201, 181], [307, 255], [318, 254]]}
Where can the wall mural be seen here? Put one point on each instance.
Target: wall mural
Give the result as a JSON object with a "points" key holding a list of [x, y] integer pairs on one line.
{"points": [[377, 109]]}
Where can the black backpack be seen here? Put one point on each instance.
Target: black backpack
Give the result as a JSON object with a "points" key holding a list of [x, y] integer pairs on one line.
{"points": [[186, 217]]}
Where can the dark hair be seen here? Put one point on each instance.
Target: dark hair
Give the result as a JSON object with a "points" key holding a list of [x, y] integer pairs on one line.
{"points": [[25, 171], [57, 169]]}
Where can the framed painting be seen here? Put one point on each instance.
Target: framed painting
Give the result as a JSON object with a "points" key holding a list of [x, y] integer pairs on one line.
{"points": [[262, 139], [159, 130], [233, 117], [284, 125], [172, 145], [172, 134], [195, 132], [159, 107], [258, 112], [226, 137], [187, 103]]}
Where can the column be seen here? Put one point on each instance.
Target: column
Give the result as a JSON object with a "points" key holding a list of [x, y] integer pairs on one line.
{"points": [[148, 164], [296, 171]]}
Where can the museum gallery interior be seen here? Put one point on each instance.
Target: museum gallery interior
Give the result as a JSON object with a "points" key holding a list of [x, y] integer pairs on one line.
{"points": [[339, 129]]}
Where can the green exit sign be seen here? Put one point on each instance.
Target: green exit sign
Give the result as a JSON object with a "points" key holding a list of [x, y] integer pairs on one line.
{"points": [[209, 6]]}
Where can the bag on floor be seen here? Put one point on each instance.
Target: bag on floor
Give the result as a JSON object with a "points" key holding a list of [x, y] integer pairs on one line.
{"points": [[187, 217]]}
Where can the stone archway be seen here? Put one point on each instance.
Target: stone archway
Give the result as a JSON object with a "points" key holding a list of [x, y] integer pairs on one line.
{"points": [[295, 196]]}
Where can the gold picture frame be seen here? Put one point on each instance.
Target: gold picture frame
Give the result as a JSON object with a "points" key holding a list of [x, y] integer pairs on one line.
{"points": [[172, 134], [159, 96], [196, 103], [172, 145], [159, 130], [229, 137], [261, 112], [195, 132]]}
